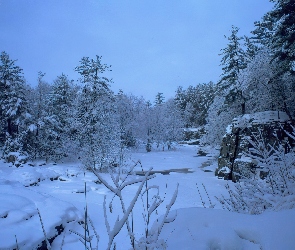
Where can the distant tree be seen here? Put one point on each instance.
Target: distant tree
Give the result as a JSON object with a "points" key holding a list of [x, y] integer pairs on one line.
{"points": [[207, 92], [194, 103], [217, 120], [158, 128], [180, 98], [173, 123], [148, 117], [159, 99], [126, 118]]}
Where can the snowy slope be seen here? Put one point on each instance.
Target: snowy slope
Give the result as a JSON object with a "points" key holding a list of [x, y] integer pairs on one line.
{"points": [[58, 192], [199, 228]]}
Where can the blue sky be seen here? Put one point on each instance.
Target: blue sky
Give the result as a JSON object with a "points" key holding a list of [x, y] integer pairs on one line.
{"points": [[152, 45]]}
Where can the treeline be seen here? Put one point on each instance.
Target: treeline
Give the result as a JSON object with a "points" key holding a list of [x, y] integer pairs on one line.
{"points": [[85, 120]]}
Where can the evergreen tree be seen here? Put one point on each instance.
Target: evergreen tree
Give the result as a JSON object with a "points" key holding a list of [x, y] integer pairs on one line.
{"points": [[61, 105], [251, 49], [46, 127], [13, 104], [276, 30], [158, 128], [159, 99], [99, 135], [194, 103], [263, 30], [233, 61]]}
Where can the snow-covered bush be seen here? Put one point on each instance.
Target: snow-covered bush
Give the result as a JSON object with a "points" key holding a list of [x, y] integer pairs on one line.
{"points": [[275, 190], [150, 239]]}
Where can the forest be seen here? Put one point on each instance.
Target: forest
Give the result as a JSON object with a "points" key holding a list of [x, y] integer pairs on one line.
{"points": [[85, 122]]}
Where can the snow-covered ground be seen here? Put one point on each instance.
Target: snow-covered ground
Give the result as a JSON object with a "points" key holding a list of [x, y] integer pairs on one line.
{"points": [[58, 192]]}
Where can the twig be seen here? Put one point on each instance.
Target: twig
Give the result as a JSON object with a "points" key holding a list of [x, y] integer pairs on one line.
{"points": [[47, 242]]}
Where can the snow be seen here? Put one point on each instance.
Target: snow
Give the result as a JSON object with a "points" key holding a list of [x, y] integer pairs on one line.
{"points": [[219, 229], [244, 159], [32, 127], [225, 170], [19, 218], [260, 118], [229, 129], [58, 191], [193, 129]]}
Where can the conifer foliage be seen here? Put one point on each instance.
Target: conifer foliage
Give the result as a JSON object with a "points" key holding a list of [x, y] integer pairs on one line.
{"points": [[13, 104], [99, 136], [276, 30], [233, 59], [258, 74]]}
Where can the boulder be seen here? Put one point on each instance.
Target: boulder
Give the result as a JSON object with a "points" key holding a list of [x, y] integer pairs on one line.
{"points": [[272, 125]]}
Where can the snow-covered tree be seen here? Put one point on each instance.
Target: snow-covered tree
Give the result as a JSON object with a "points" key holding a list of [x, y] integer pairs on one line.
{"points": [[194, 103], [126, 118], [262, 88], [173, 123], [148, 118], [158, 126], [233, 60], [13, 103], [217, 120], [165, 124], [61, 104], [159, 99], [251, 49], [276, 30], [99, 135], [45, 128], [263, 30]]}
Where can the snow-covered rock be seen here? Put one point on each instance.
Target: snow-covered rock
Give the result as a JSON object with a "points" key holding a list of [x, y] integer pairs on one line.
{"points": [[270, 125]]}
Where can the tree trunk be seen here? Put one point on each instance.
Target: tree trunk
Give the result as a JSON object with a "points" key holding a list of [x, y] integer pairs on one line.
{"points": [[243, 108], [9, 127]]}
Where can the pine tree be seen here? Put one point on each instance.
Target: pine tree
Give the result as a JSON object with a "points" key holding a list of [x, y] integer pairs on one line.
{"points": [[194, 103], [99, 135], [61, 105], [263, 30], [233, 61], [251, 49], [159, 99], [276, 30], [13, 104], [46, 127]]}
